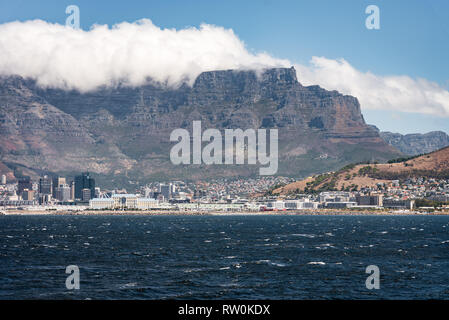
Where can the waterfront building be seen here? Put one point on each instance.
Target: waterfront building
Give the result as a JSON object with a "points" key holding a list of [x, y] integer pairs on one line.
{"points": [[84, 181], [97, 192], [276, 205], [101, 203], [300, 204], [374, 200], [45, 185], [165, 190], [123, 201], [199, 206], [340, 205], [57, 182], [28, 195], [399, 204], [335, 196], [72, 190], [24, 183], [62, 193], [45, 199], [86, 194]]}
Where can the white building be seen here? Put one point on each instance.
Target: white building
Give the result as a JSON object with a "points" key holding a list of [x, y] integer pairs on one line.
{"points": [[300, 204], [276, 205], [197, 206], [101, 203], [123, 201]]}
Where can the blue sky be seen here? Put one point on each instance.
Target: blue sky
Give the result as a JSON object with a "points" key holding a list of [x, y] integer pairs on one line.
{"points": [[412, 41]]}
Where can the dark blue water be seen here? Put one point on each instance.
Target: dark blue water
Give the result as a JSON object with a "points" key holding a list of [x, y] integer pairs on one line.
{"points": [[211, 257]]}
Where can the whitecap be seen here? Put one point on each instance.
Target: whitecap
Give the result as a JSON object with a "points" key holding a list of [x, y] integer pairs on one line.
{"points": [[263, 261], [303, 235], [278, 264], [128, 285], [321, 263]]}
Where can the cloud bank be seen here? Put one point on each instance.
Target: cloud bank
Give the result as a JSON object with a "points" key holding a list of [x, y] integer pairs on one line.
{"points": [[401, 93], [58, 56]]}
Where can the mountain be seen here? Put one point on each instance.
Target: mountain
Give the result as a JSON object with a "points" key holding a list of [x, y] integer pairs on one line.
{"points": [[355, 177], [416, 143], [121, 133]]}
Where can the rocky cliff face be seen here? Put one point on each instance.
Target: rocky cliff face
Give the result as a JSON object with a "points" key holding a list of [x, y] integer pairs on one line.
{"points": [[123, 133], [416, 143]]}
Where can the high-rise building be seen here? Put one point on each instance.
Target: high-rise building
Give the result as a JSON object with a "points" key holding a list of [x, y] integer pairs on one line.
{"points": [[72, 190], [84, 181], [86, 194], [45, 198], [3, 179], [165, 191], [148, 192], [28, 194], [97, 192], [62, 193], [24, 183], [57, 182], [45, 185]]}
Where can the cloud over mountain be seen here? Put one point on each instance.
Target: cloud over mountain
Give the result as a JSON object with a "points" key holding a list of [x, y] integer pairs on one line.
{"points": [[58, 56], [401, 93]]}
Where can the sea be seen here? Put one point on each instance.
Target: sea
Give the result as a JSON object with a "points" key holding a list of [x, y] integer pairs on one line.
{"points": [[224, 257]]}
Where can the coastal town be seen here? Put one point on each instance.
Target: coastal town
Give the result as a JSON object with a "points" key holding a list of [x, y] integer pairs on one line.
{"points": [[245, 195]]}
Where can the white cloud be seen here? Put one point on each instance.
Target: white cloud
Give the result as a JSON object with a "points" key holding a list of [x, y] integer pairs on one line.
{"points": [[401, 93], [58, 56]]}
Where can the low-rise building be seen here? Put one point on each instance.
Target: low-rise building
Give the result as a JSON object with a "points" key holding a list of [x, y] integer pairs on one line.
{"points": [[300, 204], [372, 200], [399, 204], [340, 205], [123, 201]]}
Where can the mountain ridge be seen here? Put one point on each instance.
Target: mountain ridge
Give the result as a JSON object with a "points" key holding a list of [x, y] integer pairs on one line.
{"points": [[122, 133], [416, 143]]}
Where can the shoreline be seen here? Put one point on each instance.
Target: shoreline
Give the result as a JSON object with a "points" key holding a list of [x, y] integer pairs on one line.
{"points": [[323, 212]]}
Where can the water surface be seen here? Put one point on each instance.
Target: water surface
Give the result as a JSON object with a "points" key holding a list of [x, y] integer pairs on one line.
{"points": [[224, 257]]}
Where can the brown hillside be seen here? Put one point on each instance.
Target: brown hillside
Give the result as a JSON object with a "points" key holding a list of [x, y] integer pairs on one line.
{"points": [[434, 164]]}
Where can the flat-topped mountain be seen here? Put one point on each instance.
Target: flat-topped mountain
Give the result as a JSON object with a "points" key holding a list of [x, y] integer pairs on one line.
{"points": [[122, 133]]}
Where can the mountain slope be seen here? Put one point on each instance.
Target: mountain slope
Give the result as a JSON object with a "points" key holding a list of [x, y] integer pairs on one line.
{"points": [[122, 133], [355, 177]]}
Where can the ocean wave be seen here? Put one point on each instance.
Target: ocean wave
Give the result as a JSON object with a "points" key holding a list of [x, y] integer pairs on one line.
{"points": [[321, 263], [305, 235]]}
